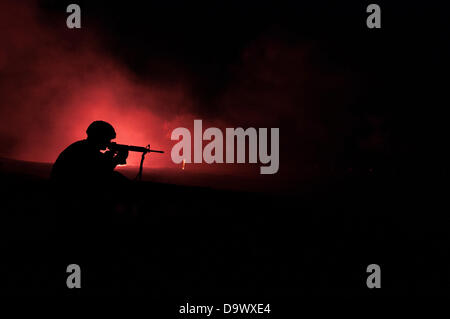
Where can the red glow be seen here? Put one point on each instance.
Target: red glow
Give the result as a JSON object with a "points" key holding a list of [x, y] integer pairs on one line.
{"points": [[56, 81], [62, 87]]}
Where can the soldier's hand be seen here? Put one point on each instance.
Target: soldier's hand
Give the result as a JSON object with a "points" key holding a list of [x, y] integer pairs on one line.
{"points": [[121, 157]]}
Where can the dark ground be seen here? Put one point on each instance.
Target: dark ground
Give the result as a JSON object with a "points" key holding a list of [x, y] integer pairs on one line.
{"points": [[165, 240]]}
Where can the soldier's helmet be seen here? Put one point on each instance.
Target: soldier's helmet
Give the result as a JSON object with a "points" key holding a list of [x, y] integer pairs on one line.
{"points": [[100, 130]]}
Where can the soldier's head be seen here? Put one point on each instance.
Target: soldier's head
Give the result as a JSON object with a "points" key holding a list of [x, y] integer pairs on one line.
{"points": [[100, 133]]}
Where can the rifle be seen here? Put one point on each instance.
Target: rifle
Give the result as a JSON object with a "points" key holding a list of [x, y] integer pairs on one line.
{"points": [[121, 147]]}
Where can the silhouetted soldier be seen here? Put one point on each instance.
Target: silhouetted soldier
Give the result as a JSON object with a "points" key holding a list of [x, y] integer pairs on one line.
{"points": [[87, 190], [87, 193], [85, 162]]}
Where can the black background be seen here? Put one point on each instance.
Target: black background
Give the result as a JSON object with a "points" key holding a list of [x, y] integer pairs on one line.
{"points": [[385, 205]]}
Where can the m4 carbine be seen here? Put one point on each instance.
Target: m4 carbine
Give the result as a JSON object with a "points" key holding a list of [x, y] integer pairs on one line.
{"points": [[144, 150], [131, 148]]}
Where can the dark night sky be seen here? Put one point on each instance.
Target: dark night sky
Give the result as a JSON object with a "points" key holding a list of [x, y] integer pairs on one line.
{"points": [[342, 95]]}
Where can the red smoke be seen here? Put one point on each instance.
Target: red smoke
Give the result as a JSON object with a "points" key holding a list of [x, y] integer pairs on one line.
{"points": [[56, 81]]}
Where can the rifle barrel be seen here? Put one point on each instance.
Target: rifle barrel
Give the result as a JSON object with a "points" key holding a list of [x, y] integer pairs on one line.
{"points": [[132, 148]]}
